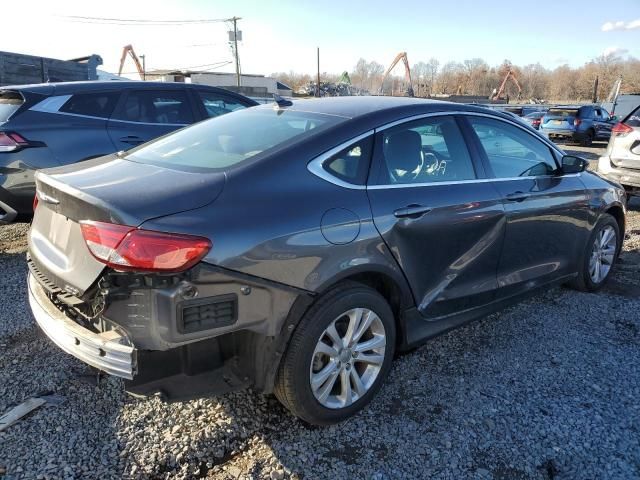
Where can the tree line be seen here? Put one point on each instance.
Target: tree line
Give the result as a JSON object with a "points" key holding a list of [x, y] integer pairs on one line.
{"points": [[476, 77]]}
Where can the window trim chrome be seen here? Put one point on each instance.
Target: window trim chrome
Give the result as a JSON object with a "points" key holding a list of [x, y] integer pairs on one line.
{"points": [[544, 140], [316, 166], [465, 182], [524, 128]]}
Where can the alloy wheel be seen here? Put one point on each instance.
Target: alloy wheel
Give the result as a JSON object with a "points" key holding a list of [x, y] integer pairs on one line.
{"points": [[603, 254], [348, 358]]}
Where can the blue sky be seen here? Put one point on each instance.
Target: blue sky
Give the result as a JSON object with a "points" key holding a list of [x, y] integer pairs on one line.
{"points": [[282, 36]]}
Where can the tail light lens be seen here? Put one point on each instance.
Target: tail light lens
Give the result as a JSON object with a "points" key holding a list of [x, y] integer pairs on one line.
{"points": [[35, 202], [621, 129], [10, 141], [577, 122], [128, 248], [536, 121]]}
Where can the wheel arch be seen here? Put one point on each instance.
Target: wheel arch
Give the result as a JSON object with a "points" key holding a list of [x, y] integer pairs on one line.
{"points": [[392, 286], [617, 212]]}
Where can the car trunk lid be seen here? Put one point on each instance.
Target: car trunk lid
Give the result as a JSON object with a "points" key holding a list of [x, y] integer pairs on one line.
{"points": [[559, 119], [111, 190]]}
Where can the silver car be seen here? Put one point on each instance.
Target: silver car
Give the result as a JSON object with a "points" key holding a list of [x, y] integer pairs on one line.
{"points": [[621, 161]]}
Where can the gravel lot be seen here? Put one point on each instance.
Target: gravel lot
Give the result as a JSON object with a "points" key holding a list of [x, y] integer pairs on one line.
{"points": [[546, 389]]}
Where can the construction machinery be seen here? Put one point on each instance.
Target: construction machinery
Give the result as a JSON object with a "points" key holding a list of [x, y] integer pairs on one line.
{"points": [[498, 94], [128, 49], [407, 73]]}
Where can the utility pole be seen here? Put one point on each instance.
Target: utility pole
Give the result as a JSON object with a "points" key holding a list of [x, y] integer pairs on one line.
{"points": [[235, 47], [144, 67], [318, 77]]}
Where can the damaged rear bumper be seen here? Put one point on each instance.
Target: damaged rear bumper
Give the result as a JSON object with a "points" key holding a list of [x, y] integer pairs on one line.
{"points": [[110, 351]]}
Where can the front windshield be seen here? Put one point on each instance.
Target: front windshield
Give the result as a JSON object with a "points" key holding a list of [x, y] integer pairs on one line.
{"points": [[228, 140]]}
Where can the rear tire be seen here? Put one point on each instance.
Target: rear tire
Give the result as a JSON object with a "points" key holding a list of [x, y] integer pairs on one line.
{"points": [[587, 140], [327, 374], [600, 254]]}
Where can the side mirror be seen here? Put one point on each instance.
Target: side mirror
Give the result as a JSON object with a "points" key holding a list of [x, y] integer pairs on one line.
{"points": [[573, 164]]}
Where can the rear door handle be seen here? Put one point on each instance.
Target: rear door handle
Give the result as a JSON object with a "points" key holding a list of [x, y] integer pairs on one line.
{"points": [[131, 140], [412, 211], [517, 196]]}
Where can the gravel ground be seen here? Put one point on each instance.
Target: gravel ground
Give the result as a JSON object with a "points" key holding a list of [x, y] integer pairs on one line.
{"points": [[546, 389]]}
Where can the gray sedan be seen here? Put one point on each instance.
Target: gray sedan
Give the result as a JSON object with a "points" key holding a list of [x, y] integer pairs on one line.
{"points": [[296, 247]]}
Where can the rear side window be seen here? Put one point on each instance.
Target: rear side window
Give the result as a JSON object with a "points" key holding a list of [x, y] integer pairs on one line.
{"points": [[511, 151], [351, 164], [164, 107], [228, 140], [633, 120], [216, 104], [425, 151], [9, 103], [562, 113], [91, 104]]}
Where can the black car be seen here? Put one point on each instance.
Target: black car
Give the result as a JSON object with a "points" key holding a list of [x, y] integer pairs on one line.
{"points": [[56, 124], [295, 248]]}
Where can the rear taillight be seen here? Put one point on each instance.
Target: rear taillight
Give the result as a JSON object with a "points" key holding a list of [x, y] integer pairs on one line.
{"points": [[35, 202], [621, 129], [536, 121], [577, 122], [127, 248], [10, 141]]}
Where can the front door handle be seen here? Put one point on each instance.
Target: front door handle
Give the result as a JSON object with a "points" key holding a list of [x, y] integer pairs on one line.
{"points": [[412, 211], [131, 140], [518, 196]]}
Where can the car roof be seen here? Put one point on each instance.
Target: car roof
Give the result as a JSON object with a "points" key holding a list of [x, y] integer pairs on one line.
{"points": [[359, 106], [62, 88]]}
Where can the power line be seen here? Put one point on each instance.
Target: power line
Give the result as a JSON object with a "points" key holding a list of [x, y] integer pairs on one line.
{"points": [[140, 22], [208, 66]]}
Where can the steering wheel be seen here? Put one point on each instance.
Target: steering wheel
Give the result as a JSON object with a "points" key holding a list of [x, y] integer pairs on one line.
{"points": [[407, 177]]}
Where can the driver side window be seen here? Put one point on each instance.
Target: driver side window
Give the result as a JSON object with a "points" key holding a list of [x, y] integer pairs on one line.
{"points": [[511, 151], [431, 150]]}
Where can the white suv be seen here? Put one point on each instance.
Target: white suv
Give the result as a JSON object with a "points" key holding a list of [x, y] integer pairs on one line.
{"points": [[621, 161]]}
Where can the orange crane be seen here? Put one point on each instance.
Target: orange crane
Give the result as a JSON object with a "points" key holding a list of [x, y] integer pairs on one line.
{"points": [[129, 49], [497, 95], [407, 72]]}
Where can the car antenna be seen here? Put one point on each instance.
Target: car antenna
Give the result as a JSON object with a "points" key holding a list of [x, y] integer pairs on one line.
{"points": [[281, 102]]}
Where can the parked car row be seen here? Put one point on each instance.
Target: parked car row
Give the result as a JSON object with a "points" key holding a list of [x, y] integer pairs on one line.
{"points": [[296, 247], [49, 125], [583, 124]]}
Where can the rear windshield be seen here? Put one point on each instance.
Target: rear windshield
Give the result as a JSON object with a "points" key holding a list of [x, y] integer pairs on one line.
{"points": [[534, 115], [9, 103], [225, 141], [633, 120], [562, 112]]}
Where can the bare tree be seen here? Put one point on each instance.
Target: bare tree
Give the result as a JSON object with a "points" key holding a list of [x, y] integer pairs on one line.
{"points": [[474, 76], [433, 64], [419, 77]]}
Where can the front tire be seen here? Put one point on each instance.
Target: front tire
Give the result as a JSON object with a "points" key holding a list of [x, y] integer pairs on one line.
{"points": [[599, 256], [339, 355]]}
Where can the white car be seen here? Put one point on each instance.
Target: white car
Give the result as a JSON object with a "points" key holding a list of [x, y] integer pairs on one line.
{"points": [[621, 161]]}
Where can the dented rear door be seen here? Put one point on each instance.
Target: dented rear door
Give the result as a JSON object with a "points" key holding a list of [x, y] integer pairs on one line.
{"points": [[445, 230]]}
